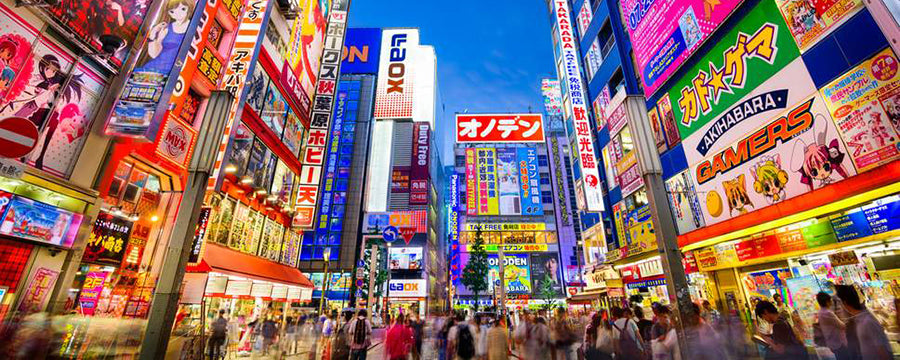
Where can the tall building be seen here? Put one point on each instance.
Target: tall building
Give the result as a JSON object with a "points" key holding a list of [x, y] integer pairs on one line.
{"points": [[504, 191], [402, 203]]}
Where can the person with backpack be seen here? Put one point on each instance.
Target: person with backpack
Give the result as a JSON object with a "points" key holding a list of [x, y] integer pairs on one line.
{"points": [[340, 348], [564, 336], [360, 331], [626, 336], [462, 339], [218, 335], [398, 339], [598, 343]]}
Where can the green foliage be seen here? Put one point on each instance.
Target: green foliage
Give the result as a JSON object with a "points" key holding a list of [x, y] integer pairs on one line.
{"points": [[475, 274], [547, 292]]}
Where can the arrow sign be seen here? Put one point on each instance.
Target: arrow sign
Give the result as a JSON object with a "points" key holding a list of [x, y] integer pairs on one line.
{"points": [[390, 234], [18, 136], [408, 232]]}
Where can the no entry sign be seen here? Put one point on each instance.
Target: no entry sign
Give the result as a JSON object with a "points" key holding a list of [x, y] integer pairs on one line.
{"points": [[18, 136]]}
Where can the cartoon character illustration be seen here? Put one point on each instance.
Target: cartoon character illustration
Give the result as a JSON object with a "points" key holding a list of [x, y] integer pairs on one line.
{"points": [[35, 102], [690, 30], [891, 107], [8, 51], [820, 159], [769, 179], [879, 132], [736, 193], [166, 37], [6, 79]]}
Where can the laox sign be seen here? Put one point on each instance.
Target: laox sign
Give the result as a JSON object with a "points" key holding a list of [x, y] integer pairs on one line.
{"points": [[397, 69], [403, 287]]}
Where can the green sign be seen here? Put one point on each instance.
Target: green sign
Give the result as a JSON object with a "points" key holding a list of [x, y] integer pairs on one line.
{"points": [[755, 49]]}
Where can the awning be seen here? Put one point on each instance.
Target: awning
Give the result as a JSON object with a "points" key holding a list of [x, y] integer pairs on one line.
{"points": [[587, 295], [224, 260]]}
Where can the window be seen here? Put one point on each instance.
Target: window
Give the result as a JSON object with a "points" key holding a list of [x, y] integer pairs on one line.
{"points": [[595, 4]]}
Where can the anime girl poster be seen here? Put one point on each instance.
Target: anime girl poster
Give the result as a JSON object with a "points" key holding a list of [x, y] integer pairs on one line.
{"points": [[16, 40], [90, 19]]}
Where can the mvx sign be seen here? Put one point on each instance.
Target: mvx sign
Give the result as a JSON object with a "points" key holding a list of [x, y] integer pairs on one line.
{"points": [[361, 51]]}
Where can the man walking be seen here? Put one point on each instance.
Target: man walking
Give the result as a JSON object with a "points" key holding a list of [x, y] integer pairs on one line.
{"points": [[360, 333], [217, 338]]}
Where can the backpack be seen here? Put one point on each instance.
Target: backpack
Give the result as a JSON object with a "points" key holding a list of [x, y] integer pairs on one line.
{"points": [[219, 327], [627, 346], [465, 344], [359, 333]]}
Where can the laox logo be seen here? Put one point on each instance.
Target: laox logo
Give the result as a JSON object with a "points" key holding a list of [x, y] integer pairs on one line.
{"points": [[404, 287], [397, 69]]}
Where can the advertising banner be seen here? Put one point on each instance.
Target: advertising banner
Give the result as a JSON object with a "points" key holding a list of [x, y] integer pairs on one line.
{"points": [[394, 94], [90, 291], [578, 103], [499, 128], [416, 219], [88, 20], [108, 240], [362, 48], [791, 154], [552, 98], [142, 105], [35, 297], [508, 182], [488, 201], [752, 52], [684, 203], [560, 181], [529, 182], [665, 33], [418, 173], [537, 226], [409, 258], [516, 273], [810, 21], [584, 17], [407, 288], [545, 267], [865, 105], [471, 184], [32, 220]]}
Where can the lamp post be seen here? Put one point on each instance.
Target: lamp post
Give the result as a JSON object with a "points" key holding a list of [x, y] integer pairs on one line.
{"points": [[327, 255]]}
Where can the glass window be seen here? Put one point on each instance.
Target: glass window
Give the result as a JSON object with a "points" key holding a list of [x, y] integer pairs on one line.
{"points": [[256, 89], [274, 110]]}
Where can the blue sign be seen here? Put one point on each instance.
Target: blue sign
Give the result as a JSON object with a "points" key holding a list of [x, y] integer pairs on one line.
{"points": [[883, 214], [851, 225], [390, 233], [362, 47], [529, 181]]}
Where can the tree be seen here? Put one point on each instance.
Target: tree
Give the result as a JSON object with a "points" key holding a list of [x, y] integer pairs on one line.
{"points": [[475, 274], [547, 292]]}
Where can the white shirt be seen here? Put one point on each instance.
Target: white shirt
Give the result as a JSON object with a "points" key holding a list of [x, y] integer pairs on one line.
{"points": [[631, 328]]}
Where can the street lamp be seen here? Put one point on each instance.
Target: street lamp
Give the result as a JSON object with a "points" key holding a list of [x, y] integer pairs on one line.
{"points": [[327, 255]]}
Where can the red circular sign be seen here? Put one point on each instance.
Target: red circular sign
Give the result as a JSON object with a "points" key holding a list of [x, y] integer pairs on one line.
{"points": [[18, 136]]}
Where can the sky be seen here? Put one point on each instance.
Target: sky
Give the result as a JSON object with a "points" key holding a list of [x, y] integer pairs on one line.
{"points": [[491, 55]]}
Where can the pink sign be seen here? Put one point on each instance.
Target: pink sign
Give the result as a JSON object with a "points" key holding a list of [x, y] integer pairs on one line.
{"points": [[90, 291], [36, 294], [666, 33]]}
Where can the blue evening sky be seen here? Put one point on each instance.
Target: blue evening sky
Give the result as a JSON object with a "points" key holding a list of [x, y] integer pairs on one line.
{"points": [[491, 54]]}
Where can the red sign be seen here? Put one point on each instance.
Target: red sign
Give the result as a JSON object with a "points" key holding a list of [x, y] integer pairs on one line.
{"points": [[294, 89], [690, 264], [407, 232], [499, 128], [176, 142], [757, 248], [18, 136]]}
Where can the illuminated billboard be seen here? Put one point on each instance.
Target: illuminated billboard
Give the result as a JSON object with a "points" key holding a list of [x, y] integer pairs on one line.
{"points": [[499, 128], [394, 94]]}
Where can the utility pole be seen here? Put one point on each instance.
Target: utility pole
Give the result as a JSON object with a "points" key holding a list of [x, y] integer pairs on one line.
{"points": [[325, 280], [168, 288], [661, 213]]}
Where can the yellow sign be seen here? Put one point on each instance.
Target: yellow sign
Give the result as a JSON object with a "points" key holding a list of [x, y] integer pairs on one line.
{"points": [[507, 227], [513, 248]]}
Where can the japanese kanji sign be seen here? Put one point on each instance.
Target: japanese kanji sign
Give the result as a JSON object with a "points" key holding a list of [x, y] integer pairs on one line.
{"points": [[497, 128], [321, 115], [246, 44], [586, 158]]}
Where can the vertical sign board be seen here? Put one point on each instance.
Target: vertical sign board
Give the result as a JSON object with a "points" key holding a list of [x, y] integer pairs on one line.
{"points": [[471, 184], [418, 173], [488, 199], [529, 182], [250, 34], [320, 118], [144, 100], [453, 228], [394, 94], [584, 140]]}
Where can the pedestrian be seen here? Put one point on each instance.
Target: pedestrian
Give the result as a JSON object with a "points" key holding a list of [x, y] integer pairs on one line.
{"points": [[663, 337], [498, 341], [598, 342], [444, 336], [340, 348], [783, 343], [643, 325], [626, 336], [866, 338], [418, 331], [829, 331], [398, 340], [217, 336], [480, 339], [462, 339], [705, 342], [361, 332], [269, 333], [710, 314], [564, 336]]}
